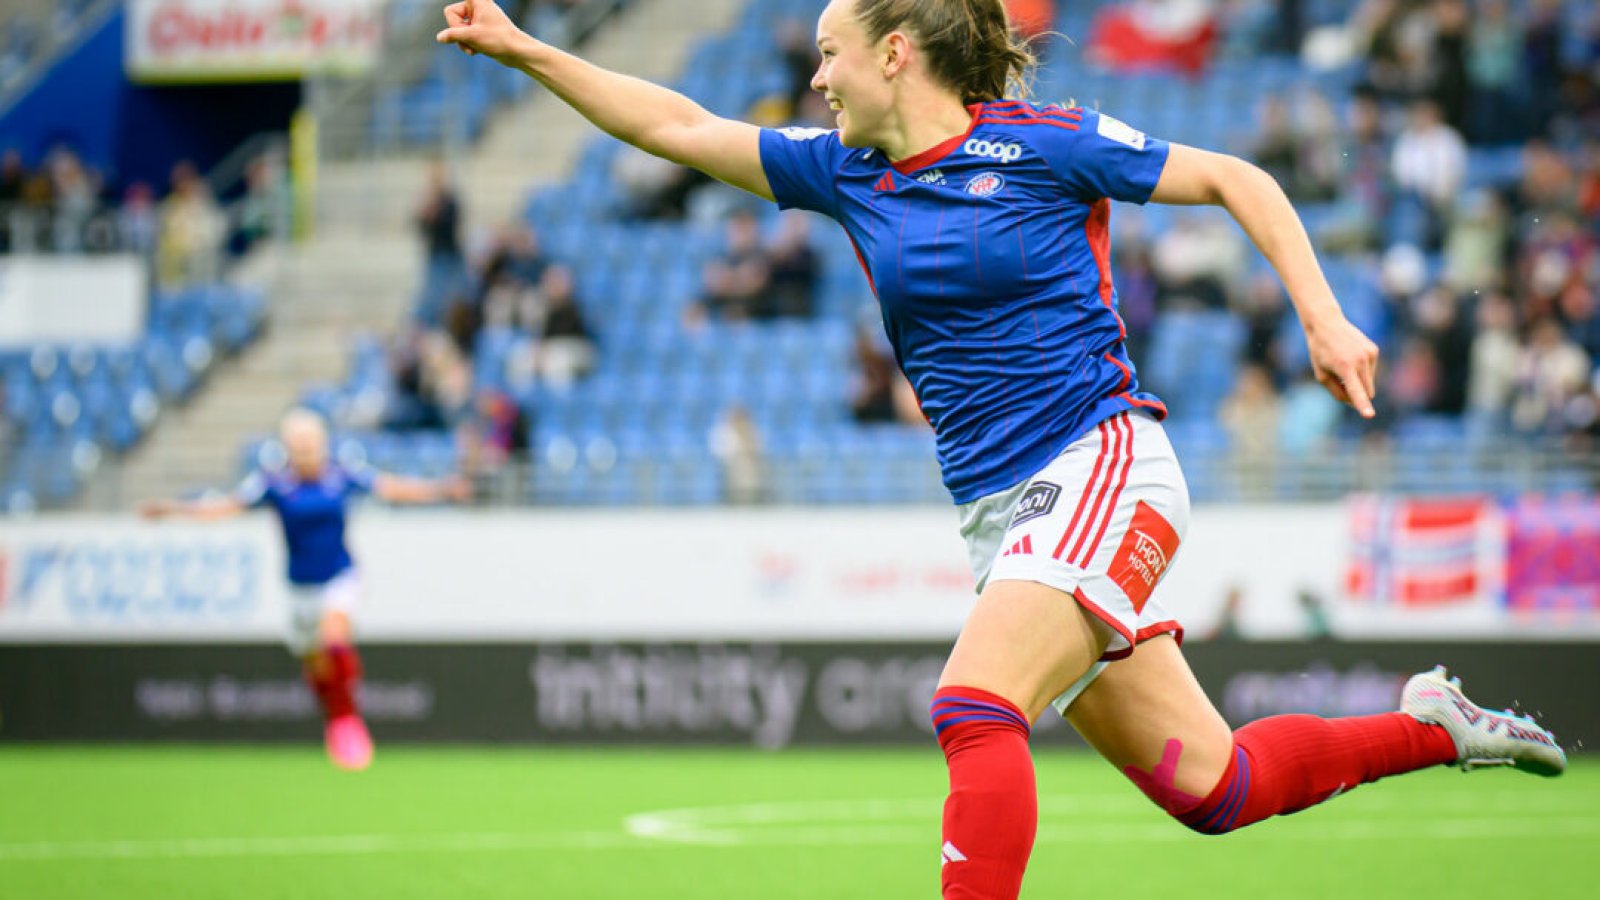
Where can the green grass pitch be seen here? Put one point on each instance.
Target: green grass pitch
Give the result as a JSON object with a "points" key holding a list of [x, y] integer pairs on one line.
{"points": [[256, 823]]}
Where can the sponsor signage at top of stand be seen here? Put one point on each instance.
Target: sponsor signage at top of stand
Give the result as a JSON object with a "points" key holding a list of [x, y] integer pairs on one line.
{"points": [[250, 40]]}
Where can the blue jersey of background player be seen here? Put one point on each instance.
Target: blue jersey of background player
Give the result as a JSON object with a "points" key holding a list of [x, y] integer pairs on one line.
{"points": [[311, 495], [312, 512], [990, 256]]}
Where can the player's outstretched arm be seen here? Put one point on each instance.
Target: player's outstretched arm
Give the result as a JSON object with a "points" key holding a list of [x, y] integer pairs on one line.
{"points": [[1344, 360], [402, 490], [205, 509], [648, 116]]}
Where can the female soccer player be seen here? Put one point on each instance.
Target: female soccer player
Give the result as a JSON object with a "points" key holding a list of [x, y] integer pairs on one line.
{"points": [[981, 223], [310, 495]]}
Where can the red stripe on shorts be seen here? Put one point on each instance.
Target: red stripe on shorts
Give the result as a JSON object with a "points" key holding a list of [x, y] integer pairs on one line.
{"points": [[1088, 488], [1105, 486], [1126, 424]]}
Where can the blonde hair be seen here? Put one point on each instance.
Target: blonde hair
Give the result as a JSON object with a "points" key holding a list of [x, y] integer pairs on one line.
{"points": [[969, 43], [301, 419]]}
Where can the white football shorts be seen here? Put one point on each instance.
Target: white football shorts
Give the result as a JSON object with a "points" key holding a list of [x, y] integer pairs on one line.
{"points": [[1102, 523], [308, 603]]}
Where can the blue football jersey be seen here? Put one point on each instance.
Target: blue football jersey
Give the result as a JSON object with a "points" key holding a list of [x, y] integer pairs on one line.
{"points": [[312, 514], [990, 256]]}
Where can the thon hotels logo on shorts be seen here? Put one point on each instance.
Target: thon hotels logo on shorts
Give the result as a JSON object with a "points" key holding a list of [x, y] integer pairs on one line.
{"points": [[1145, 553], [1038, 500]]}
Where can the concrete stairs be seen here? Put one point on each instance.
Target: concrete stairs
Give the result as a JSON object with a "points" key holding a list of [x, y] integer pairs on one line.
{"points": [[361, 269]]}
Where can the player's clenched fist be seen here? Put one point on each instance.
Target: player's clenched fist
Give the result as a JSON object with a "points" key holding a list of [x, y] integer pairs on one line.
{"points": [[479, 26]]}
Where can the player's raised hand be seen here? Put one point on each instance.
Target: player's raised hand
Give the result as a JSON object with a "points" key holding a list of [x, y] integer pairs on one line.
{"points": [[479, 26], [1345, 362]]}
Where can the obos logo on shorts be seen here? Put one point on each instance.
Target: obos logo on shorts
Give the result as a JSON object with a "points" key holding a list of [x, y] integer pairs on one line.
{"points": [[1038, 500], [985, 184], [992, 150]]}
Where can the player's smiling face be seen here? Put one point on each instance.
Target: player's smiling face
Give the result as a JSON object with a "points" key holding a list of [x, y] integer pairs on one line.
{"points": [[850, 75]]}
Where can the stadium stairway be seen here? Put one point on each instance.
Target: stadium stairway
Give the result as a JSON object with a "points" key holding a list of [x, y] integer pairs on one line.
{"points": [[360, 271], [531, 143], [322, 292]]}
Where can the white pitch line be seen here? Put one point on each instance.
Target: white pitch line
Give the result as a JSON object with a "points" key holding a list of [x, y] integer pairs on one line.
{"points": [[314, 845]]}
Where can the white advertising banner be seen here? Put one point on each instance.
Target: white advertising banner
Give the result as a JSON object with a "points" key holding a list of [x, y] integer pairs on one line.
{"points": [[790, 574], [50, 299], [237, 40]]}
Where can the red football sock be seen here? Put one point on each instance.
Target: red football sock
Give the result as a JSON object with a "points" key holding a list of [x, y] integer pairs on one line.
{"points": [[333, 674], [1284, 764], [992, 810]]}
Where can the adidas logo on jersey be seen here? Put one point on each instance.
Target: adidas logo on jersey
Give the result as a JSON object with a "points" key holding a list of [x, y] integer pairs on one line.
{"points": [[949, 854], [993, 150], [886, 183]]}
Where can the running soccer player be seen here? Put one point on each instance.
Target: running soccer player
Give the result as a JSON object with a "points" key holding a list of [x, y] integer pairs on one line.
{"points": [[982, 224], [311, 494]]}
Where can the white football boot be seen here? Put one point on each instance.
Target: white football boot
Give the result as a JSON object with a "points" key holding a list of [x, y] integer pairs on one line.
{"points": [[1482, 738]]}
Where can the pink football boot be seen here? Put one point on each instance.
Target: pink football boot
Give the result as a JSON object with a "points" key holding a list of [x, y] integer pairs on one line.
{"points": [[349, 744]]}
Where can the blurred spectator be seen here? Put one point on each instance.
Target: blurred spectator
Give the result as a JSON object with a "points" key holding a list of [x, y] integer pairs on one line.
{"points": [[734, 282], [264, 210], [1310, 416], [438, 220], [1551, 372], [792, 268], [1195, 261], [1264, 308], [138, 223], [1494, 65], [654, 188], [736, 445], [191, 231], [1448, 61], [1253, 417], [797, 45], [13, 183], [872, 399], [1496, 357], [75, 193], [1276, 147], [1437, 320], [566, 348], [1477, 247], [1430, 161]]}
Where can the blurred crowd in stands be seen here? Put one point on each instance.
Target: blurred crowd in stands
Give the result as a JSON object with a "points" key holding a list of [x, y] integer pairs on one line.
{"points": [[62, 205], [1482, 292]]}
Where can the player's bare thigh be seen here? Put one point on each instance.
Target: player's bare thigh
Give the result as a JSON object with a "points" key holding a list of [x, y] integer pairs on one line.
{"points": [[333, 629], [1146, 712], [1026, 642]]}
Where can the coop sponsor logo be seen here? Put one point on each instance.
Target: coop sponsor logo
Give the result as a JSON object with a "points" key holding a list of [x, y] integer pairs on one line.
{"points": [[130, 583], [997, 150]]}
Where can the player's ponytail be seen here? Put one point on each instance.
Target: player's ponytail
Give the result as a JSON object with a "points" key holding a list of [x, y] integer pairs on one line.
{"points": [[969, 43]]}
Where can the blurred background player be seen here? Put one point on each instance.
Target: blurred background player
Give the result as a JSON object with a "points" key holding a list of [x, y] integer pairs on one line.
{"points": [[310, 494], [1047, 444]]}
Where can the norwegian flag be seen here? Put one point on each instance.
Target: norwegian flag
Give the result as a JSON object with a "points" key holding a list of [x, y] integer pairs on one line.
{"points": [[1421, 553]]}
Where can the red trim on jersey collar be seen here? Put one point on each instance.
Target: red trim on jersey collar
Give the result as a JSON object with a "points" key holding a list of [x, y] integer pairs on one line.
{"points": [[940, 150]]}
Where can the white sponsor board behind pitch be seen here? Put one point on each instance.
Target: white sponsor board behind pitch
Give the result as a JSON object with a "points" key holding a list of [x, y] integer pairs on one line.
{"points": [[789, 574], [246, 40]]}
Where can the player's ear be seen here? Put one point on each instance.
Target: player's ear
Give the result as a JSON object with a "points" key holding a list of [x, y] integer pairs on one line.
{"points": [[895, 54]]}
